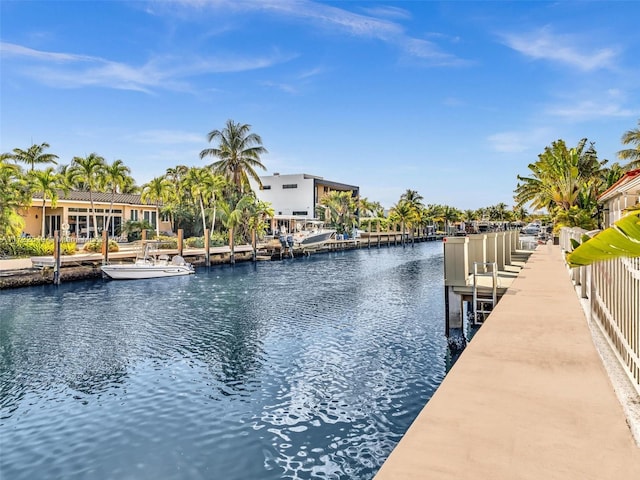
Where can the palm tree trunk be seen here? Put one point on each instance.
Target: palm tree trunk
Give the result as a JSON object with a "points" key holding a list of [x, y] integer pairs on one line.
{"points": [[95, 218], [44, 201], [157, 221], [106, 227], [204, 221]]}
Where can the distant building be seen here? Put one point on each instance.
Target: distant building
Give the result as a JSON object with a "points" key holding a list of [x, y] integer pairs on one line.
{"points": [[623, 194], [294, 197], [73, 214], [297, 195]]}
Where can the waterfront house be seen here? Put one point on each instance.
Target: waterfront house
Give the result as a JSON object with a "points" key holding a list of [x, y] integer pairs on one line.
{"points": [[73, 216], [623, 194], [296, 196]]}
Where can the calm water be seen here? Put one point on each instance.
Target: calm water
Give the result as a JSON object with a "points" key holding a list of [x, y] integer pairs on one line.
{"points": [[305, 368]]}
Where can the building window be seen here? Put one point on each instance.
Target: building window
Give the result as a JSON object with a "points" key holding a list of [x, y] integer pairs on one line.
{"points": [[134, 215], [290, 185], [266, 187], [300, 213]]}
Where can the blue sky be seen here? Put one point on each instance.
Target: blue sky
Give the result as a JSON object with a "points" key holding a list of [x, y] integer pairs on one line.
{"points": [[452, 99]]}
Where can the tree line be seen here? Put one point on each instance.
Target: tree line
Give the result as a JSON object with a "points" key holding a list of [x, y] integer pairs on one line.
{"points": [[563, 181]]}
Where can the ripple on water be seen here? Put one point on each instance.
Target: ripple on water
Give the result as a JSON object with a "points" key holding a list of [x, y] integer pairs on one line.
{"points": [[310, 368]]}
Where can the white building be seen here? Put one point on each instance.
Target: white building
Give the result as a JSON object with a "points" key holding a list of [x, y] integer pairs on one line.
{"points": [[297, 195], [621, 195]]}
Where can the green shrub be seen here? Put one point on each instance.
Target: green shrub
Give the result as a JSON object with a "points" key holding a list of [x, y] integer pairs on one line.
{"points": [[216, 240], [32, 247], [95, 246]]}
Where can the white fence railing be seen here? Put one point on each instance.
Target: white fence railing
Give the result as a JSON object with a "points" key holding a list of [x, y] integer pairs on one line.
{"points": [[613, 291]]}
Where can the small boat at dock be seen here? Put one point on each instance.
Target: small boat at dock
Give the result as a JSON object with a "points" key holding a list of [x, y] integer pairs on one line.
{"points": [[308, 237], [150, 263]]}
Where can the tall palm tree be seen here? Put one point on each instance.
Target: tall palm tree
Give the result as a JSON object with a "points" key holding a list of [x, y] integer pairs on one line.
{"points": [[90, 171], [156, 191], [239, 153], [117, 177], [631, 137], [34, 155], [45, 182]]}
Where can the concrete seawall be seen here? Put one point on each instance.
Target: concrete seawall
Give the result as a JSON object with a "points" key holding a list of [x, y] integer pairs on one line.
{"points": [[528, 399]]}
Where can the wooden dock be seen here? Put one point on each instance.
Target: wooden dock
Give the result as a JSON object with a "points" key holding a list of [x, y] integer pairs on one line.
{"points": [[528, 399]]}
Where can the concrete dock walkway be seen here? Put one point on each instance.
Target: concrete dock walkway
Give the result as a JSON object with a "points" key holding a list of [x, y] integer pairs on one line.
{"points": [[528, 399]]}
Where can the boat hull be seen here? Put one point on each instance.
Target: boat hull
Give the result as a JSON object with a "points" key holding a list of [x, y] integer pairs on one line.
{"points": [[313, 241], [138, 272]]}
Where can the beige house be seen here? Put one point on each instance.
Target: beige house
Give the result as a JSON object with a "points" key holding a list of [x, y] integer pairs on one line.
{"points": [[73, 216], [623, 194]]}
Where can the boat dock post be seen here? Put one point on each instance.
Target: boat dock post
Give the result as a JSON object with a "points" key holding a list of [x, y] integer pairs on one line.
{"points": [[180, 241], [105, 247], [56, 257]]}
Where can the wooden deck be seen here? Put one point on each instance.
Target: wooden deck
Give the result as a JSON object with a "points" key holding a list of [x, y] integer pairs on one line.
{"points": [[529, 398]]}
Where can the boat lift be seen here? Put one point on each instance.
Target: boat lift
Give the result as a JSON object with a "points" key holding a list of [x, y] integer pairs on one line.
{"points": [[483, 304]]}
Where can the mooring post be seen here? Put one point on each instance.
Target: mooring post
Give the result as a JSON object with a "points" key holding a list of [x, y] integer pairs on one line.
{"points": [[207, 247], [56, 257], [105, 247], [180, 241]]}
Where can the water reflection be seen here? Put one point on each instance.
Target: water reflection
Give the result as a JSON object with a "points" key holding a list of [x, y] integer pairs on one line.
{"points": [[294, 369]]}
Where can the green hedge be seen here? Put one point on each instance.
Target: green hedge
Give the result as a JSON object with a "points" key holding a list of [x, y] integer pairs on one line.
{"points": [[32, 247]]}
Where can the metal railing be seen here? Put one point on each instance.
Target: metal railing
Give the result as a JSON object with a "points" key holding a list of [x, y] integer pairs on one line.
{"points": [[613, 292]]}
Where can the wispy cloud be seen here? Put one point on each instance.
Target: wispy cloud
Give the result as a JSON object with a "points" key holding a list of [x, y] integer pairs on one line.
{"points": [[68, 70], [376, 24], [591, 109], [508, 142], [545, 45], [588, 105], [517, 141]]}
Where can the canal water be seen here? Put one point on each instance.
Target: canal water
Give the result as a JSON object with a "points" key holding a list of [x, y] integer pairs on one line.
{"points": [[304, 368]]}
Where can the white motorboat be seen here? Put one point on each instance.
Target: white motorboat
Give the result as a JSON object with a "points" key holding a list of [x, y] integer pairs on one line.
{"points": [[308, 237], [149, 264], [531, 229]]}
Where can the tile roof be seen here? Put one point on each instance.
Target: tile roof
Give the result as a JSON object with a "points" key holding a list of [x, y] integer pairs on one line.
{"points": [[100, 197]]}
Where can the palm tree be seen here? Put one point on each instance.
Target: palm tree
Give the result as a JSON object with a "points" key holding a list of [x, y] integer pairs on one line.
{"points": [[231, 214], [239, 153], [14, 194], [340, 208], [45, 182], [562, 178], [413, 197], [34, 155], [156, 191], [175, 201], [631, 137], [198, 182], [117, 177], [90, 171], [259, 212], [405, 213]]}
